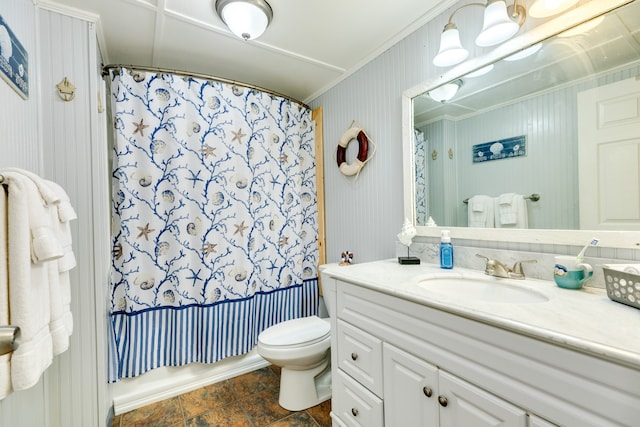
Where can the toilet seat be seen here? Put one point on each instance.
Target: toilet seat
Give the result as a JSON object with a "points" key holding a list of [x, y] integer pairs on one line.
{"points": [[303, 331]]}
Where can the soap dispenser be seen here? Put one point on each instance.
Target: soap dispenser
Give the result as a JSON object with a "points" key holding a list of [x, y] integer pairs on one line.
{"points": [[446, 250]]}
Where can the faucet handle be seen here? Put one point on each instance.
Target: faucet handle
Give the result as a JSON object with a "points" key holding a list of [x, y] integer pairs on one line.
{"points": [[517, 267], [482, 256]]}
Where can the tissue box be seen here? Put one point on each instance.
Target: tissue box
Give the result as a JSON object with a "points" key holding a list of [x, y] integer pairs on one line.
{"points": [[623, 283]]}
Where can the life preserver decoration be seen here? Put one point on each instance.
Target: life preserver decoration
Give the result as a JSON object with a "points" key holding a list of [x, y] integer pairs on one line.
{"points": [[363, 151]]}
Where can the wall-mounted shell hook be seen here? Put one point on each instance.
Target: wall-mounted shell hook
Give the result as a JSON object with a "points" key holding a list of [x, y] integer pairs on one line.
{"points": [[434, 154], [450, 153], [66, 90]]}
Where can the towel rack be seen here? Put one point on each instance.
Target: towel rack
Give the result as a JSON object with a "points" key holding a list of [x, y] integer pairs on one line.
{"points": [[8, 337], [533, 197]]}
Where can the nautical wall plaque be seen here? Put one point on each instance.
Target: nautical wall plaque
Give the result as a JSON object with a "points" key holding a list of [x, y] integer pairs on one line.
{"points": [[502, 149], [14, 61]]}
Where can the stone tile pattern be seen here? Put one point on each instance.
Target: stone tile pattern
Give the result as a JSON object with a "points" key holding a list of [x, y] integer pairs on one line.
{"points": [[249, 400]]}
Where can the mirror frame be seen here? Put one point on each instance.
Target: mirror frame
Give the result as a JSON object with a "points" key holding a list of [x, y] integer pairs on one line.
{"points": [[610, 239]]}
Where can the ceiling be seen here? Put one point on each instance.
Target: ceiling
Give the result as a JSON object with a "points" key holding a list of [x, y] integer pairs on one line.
{"points": [[309, 47]]}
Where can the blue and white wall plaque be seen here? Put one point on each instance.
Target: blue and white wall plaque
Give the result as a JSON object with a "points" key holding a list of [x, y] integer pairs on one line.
{"points": [[502, 149], [14, 61]]}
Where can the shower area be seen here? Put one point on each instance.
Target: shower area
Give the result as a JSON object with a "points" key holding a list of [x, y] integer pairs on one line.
{"points": [[214, 231]]}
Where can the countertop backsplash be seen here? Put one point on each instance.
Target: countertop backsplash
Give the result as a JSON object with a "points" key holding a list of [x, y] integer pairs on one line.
{"points": [[427, 249]]}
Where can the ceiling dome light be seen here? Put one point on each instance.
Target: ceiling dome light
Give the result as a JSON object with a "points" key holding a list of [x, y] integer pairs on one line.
{"points": [[451, 51], [497, 27], [445, 92], [544, 8], [245, 18]]}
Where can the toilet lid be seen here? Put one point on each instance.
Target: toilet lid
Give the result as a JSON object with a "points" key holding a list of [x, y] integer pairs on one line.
{"points": [[295, 331]]}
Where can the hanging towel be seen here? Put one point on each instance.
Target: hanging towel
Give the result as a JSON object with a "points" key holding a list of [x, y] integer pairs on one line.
{"points": [[480, 211], [511, 211], [61, 323], [61, 212], [5, 367], [29, 302]]}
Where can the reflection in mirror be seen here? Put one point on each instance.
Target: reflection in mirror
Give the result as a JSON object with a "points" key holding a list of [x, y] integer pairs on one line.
{"points": [[515, 127]]}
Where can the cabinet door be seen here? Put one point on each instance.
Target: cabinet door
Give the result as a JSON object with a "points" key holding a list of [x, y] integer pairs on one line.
{"points": [[463, 404], [410, 389]]}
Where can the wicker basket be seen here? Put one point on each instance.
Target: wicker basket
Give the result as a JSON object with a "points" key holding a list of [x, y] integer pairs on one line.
{"points": [[623, 283]]}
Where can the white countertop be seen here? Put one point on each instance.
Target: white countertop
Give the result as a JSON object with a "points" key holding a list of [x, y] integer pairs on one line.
{"points": [[584, 320]]}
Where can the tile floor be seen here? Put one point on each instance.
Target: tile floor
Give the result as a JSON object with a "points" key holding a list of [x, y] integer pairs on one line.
{"points": [[249, 400]]}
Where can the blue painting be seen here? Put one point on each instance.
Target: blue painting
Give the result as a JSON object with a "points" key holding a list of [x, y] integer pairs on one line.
{"points": [[502, 149], [14, 61]]}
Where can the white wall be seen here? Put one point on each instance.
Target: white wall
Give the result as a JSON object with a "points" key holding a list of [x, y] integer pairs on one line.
{"points": [[63, 142]]}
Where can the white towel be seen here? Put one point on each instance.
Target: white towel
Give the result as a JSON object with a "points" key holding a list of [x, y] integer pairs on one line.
{"points": [[511, 211], [61, 323], [480, 211], [29, 302], [5, 367]]}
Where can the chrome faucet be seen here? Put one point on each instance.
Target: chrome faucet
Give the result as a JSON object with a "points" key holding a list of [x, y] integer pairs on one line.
{"points": [[498, 269]]}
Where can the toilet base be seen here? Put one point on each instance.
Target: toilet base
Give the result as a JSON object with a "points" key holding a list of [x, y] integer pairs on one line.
{"points": [[300, 390]]}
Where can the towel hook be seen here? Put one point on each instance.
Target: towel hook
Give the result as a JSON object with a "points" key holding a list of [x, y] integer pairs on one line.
{"points": [[66, 90]]}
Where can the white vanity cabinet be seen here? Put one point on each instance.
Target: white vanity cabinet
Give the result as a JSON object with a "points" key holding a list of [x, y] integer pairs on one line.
{"points": [[402, 363]]}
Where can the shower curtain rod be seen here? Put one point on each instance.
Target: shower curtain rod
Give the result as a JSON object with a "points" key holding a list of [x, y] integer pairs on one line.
{"points": [[106, 68]]}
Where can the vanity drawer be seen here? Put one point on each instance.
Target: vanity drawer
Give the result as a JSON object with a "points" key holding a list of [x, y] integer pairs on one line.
{"points": [[360, 355], [354, 405]]}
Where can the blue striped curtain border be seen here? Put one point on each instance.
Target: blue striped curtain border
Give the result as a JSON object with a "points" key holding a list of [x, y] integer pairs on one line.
{"points": [[176, 336]]}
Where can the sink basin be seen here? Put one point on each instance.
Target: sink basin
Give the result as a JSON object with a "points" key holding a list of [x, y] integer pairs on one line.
{"points": [[478, 289]]}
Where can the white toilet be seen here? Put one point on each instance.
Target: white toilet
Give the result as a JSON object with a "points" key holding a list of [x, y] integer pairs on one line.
{"points": [[301, 347]]}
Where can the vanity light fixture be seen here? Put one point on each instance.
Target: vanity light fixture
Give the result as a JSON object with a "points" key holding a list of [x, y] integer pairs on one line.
{"points": [[545, 8], [445, 92], [247, 19], [499, 25]]}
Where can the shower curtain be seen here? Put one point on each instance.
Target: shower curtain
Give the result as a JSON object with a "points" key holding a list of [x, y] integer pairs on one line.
{"points": [[214, 227]]}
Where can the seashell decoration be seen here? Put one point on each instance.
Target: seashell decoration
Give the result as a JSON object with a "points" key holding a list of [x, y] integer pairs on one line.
{"points": [[169, 296], [215, 294], [307, 272], [254, 108], [273, 224], [251, 152], [237, 90], [195, 127], [240, 180], [158, 146], [257, 197], [144, 281], [168, 196], [275, 139], [193, 228], [306, 197], [145, 181], [138, 76], [238, 273], [214, 102], [163, 94], [122, 303], [288, 198], [288, 280], [217, 198], [162, 248]]}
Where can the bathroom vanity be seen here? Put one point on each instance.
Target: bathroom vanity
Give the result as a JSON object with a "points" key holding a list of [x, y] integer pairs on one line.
{"points": [[415, 346]]}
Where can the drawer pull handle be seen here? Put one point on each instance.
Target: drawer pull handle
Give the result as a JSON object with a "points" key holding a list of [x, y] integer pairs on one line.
{"points": [[443, 401], [354, 411], [354, 356], [427, 391]]}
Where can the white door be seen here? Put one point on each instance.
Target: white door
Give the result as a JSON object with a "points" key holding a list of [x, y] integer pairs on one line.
{"points": [[609, 156], [463, 404], [410, 390]]}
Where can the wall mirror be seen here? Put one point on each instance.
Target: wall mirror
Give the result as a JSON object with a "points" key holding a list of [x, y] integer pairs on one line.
{"points": [[530, 104]]}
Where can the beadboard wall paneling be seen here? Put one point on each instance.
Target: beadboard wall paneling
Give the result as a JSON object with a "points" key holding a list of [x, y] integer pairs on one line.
{"points": [[20, 147], [364, 215], [61, 141], [74, 155]]}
